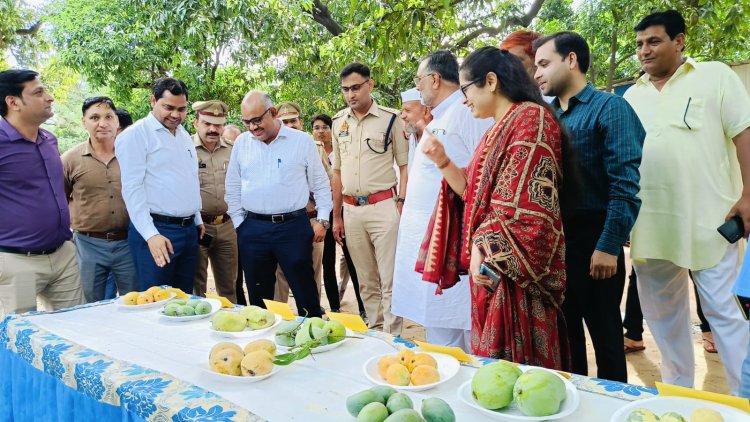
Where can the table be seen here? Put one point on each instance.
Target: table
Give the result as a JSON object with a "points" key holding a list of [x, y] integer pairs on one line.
{"points": [[98, 362]]}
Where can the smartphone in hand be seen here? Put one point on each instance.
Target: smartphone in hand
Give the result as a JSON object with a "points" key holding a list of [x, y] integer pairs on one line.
{"points": [[744, 304], [492, 275], [733, 230]]}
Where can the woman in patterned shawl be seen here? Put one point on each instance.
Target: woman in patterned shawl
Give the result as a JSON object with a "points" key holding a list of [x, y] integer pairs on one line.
{"points": [[511, 220]]}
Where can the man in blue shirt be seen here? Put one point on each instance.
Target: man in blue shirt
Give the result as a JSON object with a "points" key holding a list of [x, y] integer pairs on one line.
{"points": [[604, 152]]}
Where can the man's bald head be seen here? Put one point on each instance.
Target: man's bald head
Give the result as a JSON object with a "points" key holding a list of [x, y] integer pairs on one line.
{"points": [[259, 115]]}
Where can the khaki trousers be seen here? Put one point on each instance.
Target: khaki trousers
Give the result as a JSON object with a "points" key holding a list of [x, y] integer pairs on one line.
{"points": [[281, 294], [371, 235], [223, 256], [54, 278]]}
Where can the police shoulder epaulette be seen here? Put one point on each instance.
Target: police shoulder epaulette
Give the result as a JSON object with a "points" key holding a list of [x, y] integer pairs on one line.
{"points": [[389, 110], [339, 114]]}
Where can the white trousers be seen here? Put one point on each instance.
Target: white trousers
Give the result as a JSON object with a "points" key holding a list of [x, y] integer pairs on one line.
{"points": [[663, 289], [449, 337]]}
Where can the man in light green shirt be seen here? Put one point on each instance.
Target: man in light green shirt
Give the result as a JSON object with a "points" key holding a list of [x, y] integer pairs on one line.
{"points": [[695, 174]]}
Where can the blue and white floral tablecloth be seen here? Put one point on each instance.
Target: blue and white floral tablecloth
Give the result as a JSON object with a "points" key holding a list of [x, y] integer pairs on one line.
{"points": [[98, 361]]}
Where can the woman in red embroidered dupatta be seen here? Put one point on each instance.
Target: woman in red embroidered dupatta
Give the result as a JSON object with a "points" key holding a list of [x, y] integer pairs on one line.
{"points": [[511, 219]]}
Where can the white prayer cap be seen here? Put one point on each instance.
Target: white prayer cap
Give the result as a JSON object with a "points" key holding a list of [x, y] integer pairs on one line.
{"points": [[410, 95]]}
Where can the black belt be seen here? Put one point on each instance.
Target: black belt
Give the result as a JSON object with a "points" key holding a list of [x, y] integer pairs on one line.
{"points": [[180, 221], [277, 218], [28, 252]]}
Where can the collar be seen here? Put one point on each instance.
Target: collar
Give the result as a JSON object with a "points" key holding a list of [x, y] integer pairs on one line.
{"points": [[87, 150], [198, 144], [374, 110], [154, 125], [688, 65], [583, 96], [284, 132], [14, 135], [447, 102]]}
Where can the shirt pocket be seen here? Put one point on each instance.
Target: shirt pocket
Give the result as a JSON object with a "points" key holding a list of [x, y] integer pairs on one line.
{"points": [[688, 113]]}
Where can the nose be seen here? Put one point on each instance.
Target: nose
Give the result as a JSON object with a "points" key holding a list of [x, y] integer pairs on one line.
{"points": [[537, 75]]}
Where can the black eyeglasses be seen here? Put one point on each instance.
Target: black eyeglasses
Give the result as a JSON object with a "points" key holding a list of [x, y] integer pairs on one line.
{"points": [[255, 121], [466, 86], [354, 88], [418, 79], [323, 127]]}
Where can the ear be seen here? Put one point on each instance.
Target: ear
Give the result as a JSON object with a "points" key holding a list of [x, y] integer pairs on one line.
{"points": [[371, 83], [195, 123], [572, 60], [679, 41], [492, 82], [273, 112], [153, 101]]}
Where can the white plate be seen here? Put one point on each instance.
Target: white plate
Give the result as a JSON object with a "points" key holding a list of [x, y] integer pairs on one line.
{"points": [[215, 306], [511, 411], [682, 405], [447, 367], [246, 333], [237, 378], [120, 304], [319, 349]]}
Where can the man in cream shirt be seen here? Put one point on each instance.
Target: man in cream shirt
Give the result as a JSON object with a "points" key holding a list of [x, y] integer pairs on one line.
{"points": [[696, 117]]}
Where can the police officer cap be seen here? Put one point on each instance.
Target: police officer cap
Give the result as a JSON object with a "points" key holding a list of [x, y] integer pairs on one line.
{"points": [[213, 111], [288, 110]]}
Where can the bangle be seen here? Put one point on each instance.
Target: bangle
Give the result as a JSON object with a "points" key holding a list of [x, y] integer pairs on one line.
{"points": [[445, 164]]}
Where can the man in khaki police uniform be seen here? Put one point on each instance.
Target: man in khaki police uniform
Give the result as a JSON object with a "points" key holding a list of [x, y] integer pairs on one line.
{"points": [[213, 160], [290, 115], [367, 139]]}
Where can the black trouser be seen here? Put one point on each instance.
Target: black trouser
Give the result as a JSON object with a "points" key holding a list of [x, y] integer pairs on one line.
{"points": [[329, 272], [263, 245], [597, 302], [633, 321]]}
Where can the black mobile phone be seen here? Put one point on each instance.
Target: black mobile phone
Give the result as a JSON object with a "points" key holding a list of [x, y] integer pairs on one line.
{"points": [[492, 275], [206, 241], [732, 230], [744, 304]]}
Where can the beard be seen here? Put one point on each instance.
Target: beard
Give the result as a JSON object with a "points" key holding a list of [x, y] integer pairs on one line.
{"points": [[411, 129]]}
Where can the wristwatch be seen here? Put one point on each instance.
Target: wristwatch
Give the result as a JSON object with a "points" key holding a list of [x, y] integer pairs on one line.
{"points": [[326, 225], [400, 201]]}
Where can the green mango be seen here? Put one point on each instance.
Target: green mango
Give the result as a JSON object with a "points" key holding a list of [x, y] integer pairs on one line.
{"points": [[373, 412], [399, 401], [356, 402], [437, 410], [404, 415], [384, 391]]}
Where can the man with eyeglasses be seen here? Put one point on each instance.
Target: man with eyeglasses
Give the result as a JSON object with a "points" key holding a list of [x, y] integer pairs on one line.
{"points": [[271, 173], [219, 244], [606, 139], [367, 139], [98, 215], [290, 115], [37, 259], [162, 191], [695, 175], [446, 316]]}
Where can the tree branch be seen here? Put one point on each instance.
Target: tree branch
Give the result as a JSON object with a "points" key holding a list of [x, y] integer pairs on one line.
{"points": [[30, 31], [482, 29], [322, 15]]}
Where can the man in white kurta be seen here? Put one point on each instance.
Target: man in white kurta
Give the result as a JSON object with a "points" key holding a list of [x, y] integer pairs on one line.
{"points": [[446, 317], [695, 173]]}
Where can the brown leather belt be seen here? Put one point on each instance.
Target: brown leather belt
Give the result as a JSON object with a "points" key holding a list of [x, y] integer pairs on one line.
{"points": [[121, 235], [215, 219], [369, 199]]}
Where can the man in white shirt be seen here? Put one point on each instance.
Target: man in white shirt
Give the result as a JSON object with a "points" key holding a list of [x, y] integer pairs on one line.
{"points": [[160, 186], [446, 316], [271, 173]]}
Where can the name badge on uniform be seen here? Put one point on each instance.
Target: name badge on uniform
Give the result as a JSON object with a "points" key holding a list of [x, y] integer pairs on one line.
{"points": [[201, 165], [439, 131], [344, 131]]}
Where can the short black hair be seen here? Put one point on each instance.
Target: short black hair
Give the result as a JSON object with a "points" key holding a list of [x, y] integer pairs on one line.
{"points": [[175, 86], [11, 84], [444, 63], [671, 20], [567, 42], [355, 68], [88, 102], [124, 117], [324, 118]]}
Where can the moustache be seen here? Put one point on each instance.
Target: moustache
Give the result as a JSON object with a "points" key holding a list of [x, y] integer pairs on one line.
{"points": [[212, 134]]}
